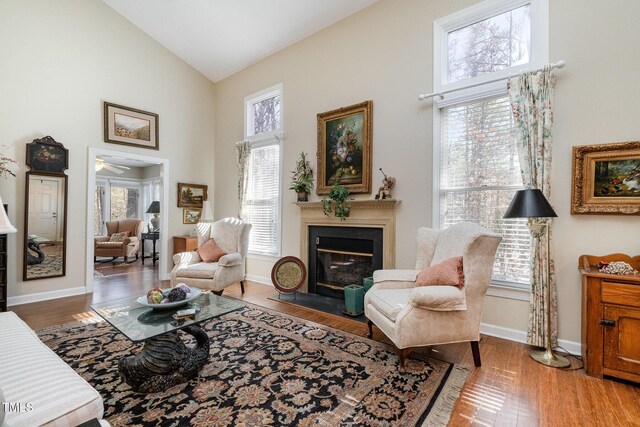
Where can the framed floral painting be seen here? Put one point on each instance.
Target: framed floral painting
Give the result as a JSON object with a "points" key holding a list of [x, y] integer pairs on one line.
{"points": [[344, 148], [606, 179]]}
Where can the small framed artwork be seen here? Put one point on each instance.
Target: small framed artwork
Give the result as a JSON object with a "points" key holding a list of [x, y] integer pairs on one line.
{"points": [[344, 148], [191, 195], [47, 155], [129, 126], [606, 179], [191, 216]]}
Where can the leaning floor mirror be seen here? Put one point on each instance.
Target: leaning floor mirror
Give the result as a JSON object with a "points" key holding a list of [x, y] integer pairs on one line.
{"points": [[45, 210]]}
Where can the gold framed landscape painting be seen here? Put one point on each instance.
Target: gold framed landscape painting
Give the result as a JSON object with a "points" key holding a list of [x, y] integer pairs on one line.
{"points": [[191, 216], [344, 148], [606, 179], [191, 195], [129, 126]]}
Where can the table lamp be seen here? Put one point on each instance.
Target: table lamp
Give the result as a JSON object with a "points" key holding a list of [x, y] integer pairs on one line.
{"points": [[531, 203], [154, 208], [5, 225]]}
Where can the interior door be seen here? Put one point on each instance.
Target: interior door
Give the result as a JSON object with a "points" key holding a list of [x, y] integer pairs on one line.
{"points": [[621, 343], [43, 207]]}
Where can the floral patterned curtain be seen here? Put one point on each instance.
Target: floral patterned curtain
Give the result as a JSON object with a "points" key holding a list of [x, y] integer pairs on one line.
{"points": [[532, 104], [243, 149]]}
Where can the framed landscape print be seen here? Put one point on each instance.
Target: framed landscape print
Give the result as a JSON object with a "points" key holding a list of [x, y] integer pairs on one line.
{"points": [[344, 148], [128, 126], [191, 195], [191, 216], [606, 179]]}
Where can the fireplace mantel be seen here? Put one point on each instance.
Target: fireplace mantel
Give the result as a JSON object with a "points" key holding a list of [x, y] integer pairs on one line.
{"points": [[364, 213]]}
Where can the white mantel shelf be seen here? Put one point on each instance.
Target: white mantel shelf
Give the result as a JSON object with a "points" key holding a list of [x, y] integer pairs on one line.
{"points": [[364, 213]]}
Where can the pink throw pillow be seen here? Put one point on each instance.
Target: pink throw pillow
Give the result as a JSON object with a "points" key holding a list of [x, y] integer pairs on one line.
{"points": [[448, 272], [210, 252]]}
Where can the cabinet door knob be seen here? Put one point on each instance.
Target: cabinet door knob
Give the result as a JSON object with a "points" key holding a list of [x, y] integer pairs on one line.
{"points": [[607, 322]]}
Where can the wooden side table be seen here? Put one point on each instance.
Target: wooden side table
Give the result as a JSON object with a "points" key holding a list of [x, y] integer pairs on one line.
{"points": [[184, 244], [150, 236], [610, 319]]}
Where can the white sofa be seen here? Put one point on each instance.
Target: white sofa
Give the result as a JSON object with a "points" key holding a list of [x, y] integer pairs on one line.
{"points": [[47, 390]]}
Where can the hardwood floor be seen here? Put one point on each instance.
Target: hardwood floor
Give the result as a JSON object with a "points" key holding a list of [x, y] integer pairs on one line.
{"points": [[510, 389]]}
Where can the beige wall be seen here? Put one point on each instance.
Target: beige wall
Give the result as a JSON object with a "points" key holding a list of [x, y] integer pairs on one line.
{"points": [[384, 53], [60, 61]]}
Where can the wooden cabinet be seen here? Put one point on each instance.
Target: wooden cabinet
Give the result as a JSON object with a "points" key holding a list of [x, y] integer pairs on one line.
{"points": [[610, 319], [3, 272], [184, 244]]}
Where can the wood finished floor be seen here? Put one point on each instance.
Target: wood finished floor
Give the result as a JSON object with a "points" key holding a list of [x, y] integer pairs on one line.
{"points": [[510, 389]]}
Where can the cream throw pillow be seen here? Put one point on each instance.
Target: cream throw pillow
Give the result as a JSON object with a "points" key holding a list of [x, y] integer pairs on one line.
{"points": [[119, 237], [210, 251], [448, 272]]}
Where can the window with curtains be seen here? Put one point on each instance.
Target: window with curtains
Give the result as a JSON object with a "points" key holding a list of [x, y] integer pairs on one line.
{"points": [[263, 129], [477, 170]]}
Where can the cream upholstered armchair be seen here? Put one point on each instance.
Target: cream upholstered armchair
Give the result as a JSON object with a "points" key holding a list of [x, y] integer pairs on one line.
{"points": [[128, 245], [428, 315], [232, 236]]}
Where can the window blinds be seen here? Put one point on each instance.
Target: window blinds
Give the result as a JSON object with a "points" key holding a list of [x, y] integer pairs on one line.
{"points": [[479, 174], [261, 208]]}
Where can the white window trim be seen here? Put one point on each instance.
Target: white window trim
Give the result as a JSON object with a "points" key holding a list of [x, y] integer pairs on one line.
{"points": [[479, 12], [264, 139], [267, 93], [539, 57]]}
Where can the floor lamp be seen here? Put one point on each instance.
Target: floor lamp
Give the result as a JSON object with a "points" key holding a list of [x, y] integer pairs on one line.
{"points": [[531, 203]]}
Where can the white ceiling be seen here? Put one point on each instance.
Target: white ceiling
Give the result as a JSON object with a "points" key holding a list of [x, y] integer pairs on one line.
{"points": [[124, 161], [221, 37]]}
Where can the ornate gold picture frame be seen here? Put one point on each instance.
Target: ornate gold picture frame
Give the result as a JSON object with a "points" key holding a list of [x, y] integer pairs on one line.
{"points": [[606, 179], [344, 148]]}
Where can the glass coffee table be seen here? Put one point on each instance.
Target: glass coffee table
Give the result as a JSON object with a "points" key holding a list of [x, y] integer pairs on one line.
{"points": [[165, 360]]}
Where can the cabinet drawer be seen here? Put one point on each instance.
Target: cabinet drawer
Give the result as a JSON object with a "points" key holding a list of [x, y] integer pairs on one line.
{"points": [[621, 293]]}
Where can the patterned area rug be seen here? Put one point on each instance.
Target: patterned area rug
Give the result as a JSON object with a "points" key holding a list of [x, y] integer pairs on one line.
{"points": [[50, 266], [269, 369]]}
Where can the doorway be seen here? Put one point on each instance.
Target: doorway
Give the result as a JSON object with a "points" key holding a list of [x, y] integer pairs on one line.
{"points": [[120, 186]]}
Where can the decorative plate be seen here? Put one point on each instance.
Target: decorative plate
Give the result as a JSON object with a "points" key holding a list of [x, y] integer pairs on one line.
{"points": [[288, 274], [195, 293]]}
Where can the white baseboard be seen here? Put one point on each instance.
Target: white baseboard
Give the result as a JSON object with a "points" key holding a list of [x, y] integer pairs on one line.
{"points": [[521, 336], [259, 279], [45, 296]]}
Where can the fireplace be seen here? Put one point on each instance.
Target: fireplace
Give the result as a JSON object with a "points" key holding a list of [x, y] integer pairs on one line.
{"points": [[341, 256]]}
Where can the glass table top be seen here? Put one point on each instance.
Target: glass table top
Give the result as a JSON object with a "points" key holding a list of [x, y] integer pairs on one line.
{"points": [[139, 323]]}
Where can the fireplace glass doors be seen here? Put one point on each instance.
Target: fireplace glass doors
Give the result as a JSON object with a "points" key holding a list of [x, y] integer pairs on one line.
{"points": [[341, 256]]}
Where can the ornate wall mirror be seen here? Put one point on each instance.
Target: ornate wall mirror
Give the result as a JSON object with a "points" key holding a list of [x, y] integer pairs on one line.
{"points": [[45, 211]]}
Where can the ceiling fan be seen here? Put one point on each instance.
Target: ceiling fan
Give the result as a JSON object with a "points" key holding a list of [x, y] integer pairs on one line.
{"points": [[101, 164]]}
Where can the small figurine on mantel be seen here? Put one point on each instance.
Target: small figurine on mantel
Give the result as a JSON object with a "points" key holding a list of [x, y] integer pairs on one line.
{"points": [[388, 183]]}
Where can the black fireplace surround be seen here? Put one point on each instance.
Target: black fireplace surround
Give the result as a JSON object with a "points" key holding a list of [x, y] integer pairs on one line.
{"points": [[340, 256]]}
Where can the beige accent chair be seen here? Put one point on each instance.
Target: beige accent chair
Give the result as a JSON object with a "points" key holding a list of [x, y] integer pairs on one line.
{"points": [[423, 316], [232, 236], [102, 246]]}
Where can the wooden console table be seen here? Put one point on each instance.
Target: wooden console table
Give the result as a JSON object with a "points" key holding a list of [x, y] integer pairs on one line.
{"points": [[610, 319]]}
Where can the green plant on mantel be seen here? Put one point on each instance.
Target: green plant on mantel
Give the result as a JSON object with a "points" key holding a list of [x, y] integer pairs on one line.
{"points": [[302, 178], [338, 197]]}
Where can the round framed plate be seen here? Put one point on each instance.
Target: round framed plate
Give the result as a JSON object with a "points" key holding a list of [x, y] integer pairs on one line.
{"points": [[288, 274], [195, 293]]}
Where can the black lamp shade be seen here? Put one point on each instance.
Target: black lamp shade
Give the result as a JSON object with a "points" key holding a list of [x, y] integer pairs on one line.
{"points": [[529, 204], [154, 207]]}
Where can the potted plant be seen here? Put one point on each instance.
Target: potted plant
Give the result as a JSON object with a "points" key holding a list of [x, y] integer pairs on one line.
{"points": [[302, 178], [338, 196]]}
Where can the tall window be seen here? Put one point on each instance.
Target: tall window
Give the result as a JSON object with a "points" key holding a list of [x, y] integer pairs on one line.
{"points": [[263, 128], [475, 147]]}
